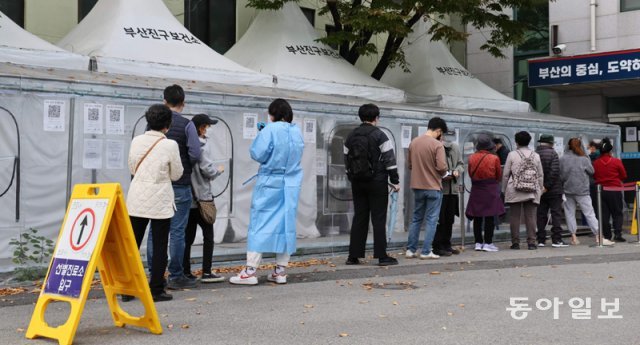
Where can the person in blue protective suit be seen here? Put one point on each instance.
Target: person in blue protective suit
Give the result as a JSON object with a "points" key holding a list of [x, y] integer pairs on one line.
{"points": [[272, 225]]}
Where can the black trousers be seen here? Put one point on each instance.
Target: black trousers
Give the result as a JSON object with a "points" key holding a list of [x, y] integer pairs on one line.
{"points": [[553, 203], [160, 230], [448, 212], [190, 235], [370, 200], [611, 207], [489, 227]]}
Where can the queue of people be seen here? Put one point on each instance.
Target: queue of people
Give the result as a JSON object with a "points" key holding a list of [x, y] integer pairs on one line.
{"points": [[172, 173]]}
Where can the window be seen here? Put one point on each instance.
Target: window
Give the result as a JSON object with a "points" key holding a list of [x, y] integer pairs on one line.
{"points": [[310, 14], [14, 9], [84, 7], [536, 44], [629, 5], [212, 21]]}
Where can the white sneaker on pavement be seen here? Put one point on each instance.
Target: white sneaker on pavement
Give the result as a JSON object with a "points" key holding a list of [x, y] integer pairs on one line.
{"points": [[606, 242], [277, 278], [429, 256], [489, 247], [243, 278], [478, 247], [410, 255]]}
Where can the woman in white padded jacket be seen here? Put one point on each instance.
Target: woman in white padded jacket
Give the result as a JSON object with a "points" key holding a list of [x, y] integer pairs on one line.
{"points": [[154, 161]]}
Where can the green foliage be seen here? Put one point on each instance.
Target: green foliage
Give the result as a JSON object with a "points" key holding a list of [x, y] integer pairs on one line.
{"points": [[31, 253], [356, 21]]}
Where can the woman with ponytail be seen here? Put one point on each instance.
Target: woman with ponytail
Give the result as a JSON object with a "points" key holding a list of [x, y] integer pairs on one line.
{"points": [[609, 172], [575, 169]]}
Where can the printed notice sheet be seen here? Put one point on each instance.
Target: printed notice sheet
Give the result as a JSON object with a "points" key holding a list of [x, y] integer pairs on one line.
{"points": [[54, 116], [115, 119], [250, 126], [407, 131], [92, 156], [92, 118], [309, 130], [115, 154]]}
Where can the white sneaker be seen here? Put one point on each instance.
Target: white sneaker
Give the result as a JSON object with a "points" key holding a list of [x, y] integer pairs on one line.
{"points": [[606, 242], [489, 247], [243, 278], [478, 247], [277, 278], [410, 255], [429, 256]]}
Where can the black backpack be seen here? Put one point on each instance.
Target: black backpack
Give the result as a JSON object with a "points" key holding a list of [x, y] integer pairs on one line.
{"points": [[360, 163]]}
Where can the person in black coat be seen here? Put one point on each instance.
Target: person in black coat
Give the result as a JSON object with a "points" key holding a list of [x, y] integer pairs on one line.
{"points": [[501, 150], [551, 199]]}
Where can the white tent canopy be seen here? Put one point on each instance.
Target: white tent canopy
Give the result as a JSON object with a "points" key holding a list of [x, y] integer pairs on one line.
{"points": [[438, 79], [21, 47], [142, 37], [283, 43]]}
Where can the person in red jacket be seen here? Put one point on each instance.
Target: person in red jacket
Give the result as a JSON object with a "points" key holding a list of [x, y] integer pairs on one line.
{"points": [[484, 201], [609, 172]]}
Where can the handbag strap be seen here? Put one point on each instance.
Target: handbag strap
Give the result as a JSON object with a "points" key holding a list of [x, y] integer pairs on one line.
{"points": [[146, 154], [478, 165]]}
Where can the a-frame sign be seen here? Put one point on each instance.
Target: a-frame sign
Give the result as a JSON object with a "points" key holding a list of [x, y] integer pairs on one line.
{"points": [[96, 233]]}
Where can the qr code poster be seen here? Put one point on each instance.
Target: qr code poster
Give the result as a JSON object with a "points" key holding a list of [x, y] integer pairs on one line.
{"points": [[250, 126], [54, 115], [115, 119], [407, 132], [310, 130], [93, 118]]}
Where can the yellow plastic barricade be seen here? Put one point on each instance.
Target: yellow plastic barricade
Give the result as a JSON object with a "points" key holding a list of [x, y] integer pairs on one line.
{"points": [[96, 233]]}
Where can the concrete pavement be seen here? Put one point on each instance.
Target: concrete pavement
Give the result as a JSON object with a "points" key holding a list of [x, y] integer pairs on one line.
{"points": [[456, 300]]}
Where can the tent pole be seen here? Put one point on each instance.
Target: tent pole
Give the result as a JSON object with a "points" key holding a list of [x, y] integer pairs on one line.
{"points": [[72, 110]]}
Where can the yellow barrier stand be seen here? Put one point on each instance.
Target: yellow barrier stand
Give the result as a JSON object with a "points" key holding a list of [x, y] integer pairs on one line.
{"points": [[96, 233]]}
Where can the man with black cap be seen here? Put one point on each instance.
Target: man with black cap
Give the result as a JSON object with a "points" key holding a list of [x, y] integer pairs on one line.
{"points": [[203, 173], [551, 199]]}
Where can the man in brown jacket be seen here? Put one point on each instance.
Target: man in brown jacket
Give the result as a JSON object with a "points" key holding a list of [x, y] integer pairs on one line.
{"points": [[428, 165]]}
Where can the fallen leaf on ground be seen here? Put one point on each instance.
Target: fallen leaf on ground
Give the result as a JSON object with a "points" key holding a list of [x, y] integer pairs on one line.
{"points": [[302, 322], [185, 326], [395, 303], [450, 313], [309, 306], [12, 291], [461, 305], [382, 316], [364, 302], [342, 335], [190, 299], [610, 277], [434, 273], [170, 326], [20, 330]]}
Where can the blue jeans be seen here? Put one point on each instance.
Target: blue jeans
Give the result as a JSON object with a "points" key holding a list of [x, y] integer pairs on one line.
{"points": [[427, 204], [182, 198]]}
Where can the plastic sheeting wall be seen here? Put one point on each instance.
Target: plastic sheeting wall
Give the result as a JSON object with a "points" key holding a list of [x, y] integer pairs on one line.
{"points": [[323, 220]]}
